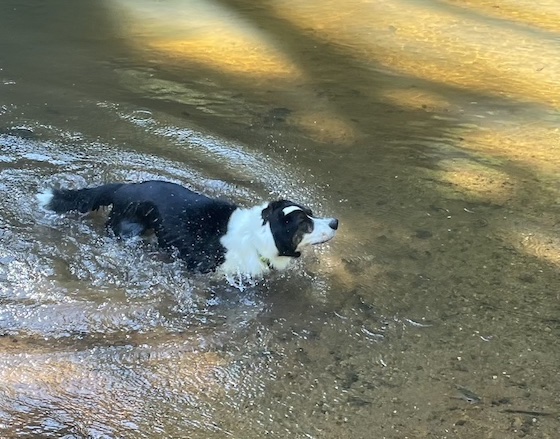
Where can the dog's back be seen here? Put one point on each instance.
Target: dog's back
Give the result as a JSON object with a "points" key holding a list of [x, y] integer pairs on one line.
{"points": [[182, 219]]}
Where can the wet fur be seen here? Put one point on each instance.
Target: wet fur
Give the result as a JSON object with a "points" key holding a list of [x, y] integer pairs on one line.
{"points": [[209, 234]]}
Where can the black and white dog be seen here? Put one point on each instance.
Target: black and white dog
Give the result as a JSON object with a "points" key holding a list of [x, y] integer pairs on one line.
{"points": [[209, 234]]}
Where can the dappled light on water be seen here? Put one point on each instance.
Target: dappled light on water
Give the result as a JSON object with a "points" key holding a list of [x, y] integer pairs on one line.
{"points": [[209, 34], [507, 51], [426, 40], [543, 15], [476, 182], [428, 127], [298, 53]]}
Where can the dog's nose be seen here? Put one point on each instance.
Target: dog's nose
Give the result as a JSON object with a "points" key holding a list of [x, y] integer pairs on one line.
{"points": [[333, 224]]}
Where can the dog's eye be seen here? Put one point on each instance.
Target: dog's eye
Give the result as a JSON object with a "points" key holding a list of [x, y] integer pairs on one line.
{"points": [[305, 225]]}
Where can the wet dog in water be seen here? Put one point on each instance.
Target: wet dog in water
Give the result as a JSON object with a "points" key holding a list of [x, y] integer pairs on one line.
{"points": [[209, 234]]}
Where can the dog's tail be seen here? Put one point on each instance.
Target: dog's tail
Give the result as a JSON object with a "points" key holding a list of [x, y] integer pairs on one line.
{"points": [[80, 200]]}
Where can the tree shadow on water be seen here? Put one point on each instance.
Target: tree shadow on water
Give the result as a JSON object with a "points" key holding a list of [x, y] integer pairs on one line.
{"points": [[414, 241]]}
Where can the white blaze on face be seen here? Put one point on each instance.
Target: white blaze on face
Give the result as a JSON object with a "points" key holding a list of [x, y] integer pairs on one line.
{"points": [[290, 209]]}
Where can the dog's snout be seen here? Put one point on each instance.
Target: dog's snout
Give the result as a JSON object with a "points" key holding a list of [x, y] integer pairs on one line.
{"points": [[333, 224]]}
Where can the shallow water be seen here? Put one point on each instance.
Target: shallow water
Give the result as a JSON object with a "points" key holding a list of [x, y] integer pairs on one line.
{"points": [[430, 128]]}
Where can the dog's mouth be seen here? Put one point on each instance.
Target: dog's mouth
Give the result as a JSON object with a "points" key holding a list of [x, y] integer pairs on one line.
{"points": [[323, 240], [317, 238]]}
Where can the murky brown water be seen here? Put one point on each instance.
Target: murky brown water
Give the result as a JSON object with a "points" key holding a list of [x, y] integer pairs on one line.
{"points": [[430, 128]]}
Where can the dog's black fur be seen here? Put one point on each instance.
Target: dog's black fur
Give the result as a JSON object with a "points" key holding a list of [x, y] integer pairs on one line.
{"points": [[181, 219]]}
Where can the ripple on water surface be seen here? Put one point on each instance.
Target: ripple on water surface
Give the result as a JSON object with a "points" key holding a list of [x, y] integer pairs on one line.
{"points": [[103, 337]]}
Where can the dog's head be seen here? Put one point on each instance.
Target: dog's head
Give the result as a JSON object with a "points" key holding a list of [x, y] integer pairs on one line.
{"points": [[294, 227]]}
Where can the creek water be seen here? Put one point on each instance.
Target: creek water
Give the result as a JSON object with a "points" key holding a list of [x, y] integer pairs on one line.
{"points": [[429, 128]]}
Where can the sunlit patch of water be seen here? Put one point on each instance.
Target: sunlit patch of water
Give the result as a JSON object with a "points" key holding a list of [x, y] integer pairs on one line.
{"points": [[248, 50], [95, 380], [533, 239]]}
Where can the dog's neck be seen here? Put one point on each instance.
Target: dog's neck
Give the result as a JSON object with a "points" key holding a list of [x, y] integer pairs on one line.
{"points": [[249, 244]]}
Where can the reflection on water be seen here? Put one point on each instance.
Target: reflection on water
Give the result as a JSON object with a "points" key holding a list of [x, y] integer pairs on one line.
{"points": [[429, 127]]}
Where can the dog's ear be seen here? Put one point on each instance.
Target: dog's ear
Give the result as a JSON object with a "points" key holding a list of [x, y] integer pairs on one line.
{"points": [[272, 206]]}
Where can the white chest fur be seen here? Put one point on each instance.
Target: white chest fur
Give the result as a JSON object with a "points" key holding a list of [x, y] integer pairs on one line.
{"points": [[249, 244]]}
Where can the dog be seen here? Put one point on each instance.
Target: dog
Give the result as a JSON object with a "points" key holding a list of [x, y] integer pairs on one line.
{"points": [[208, 234]]}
